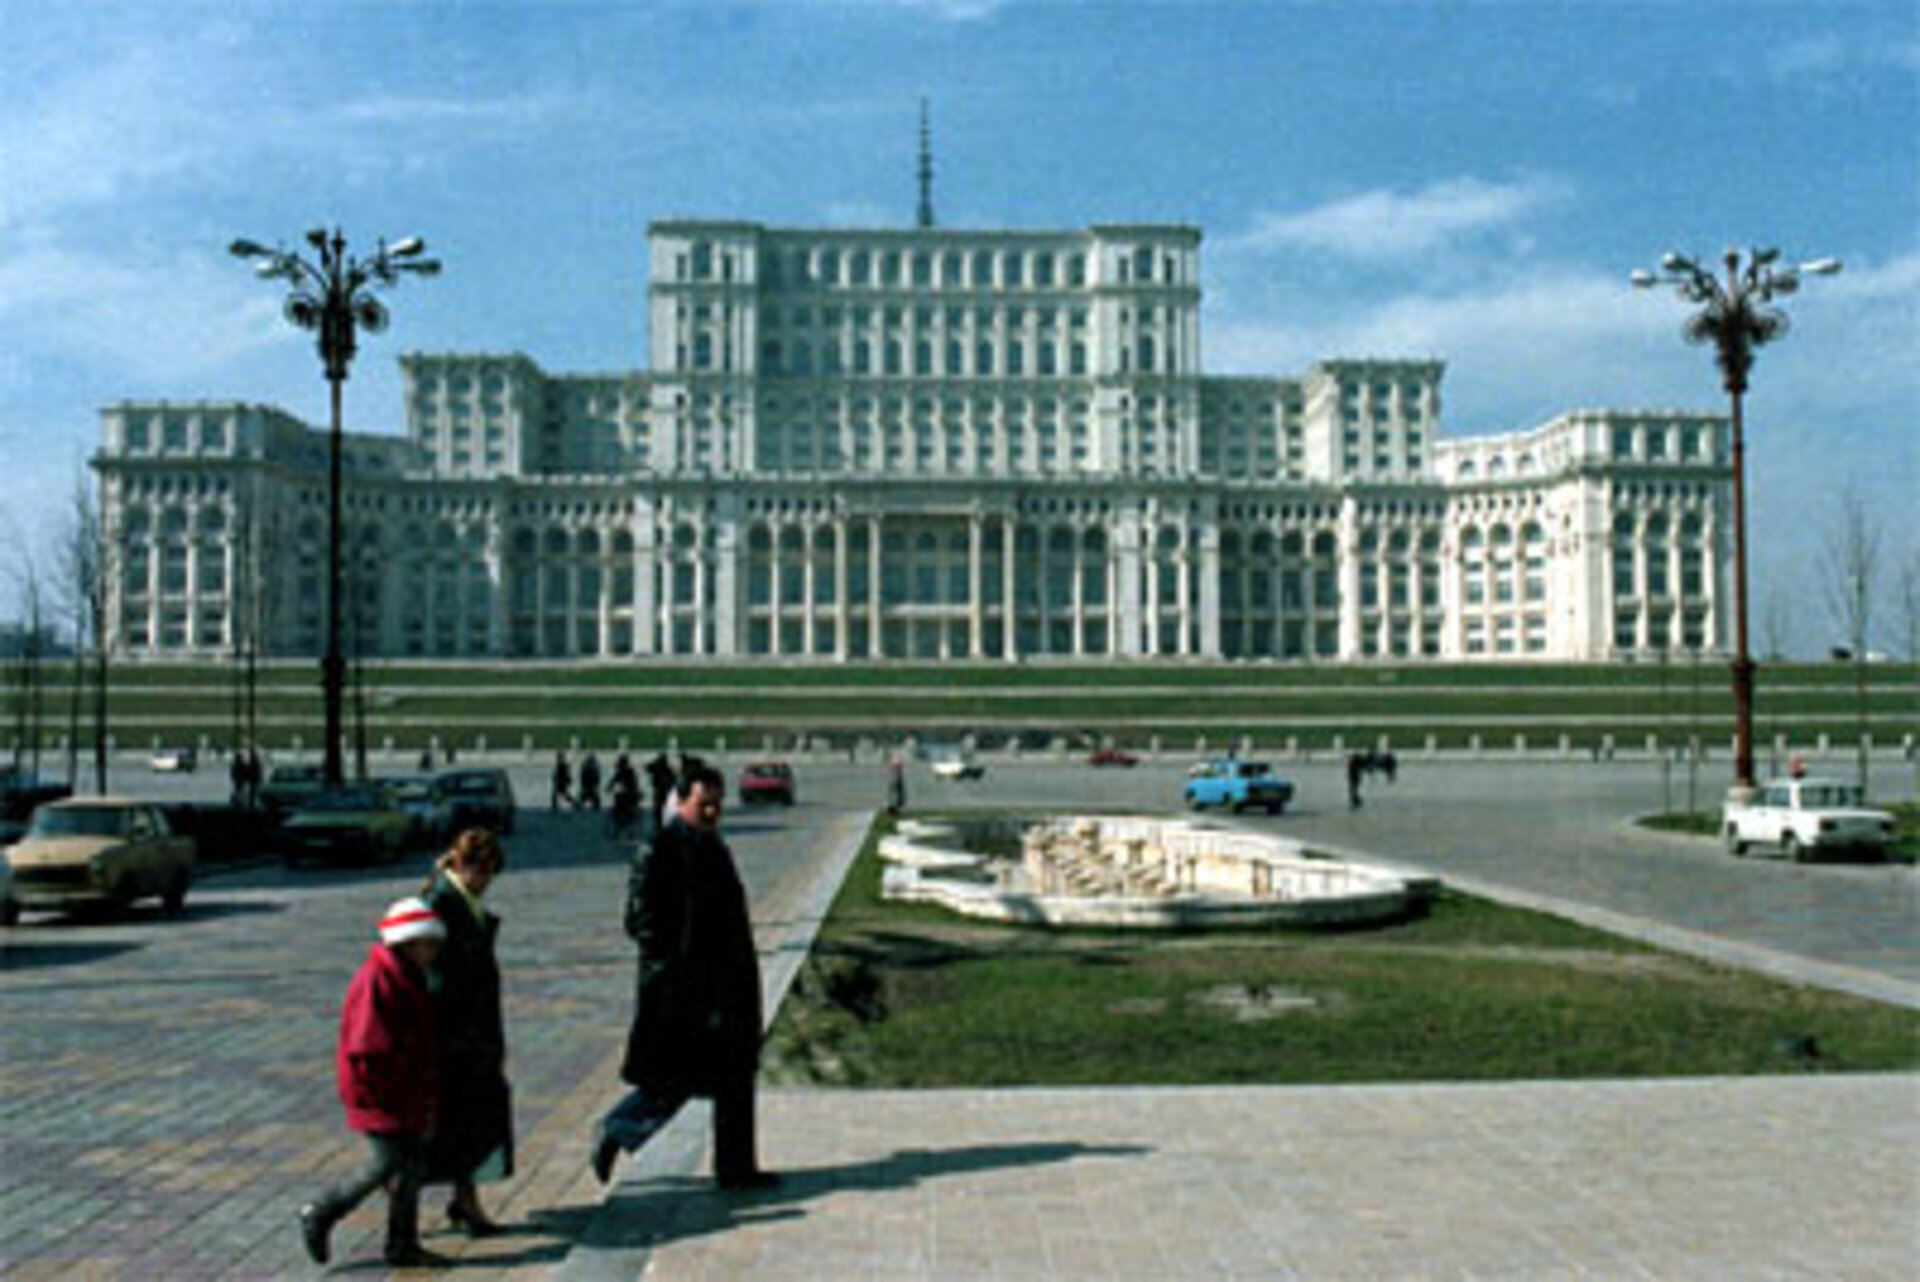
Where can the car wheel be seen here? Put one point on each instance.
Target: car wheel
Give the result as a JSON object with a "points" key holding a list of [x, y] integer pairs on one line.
{"points": [[173, 900], [1793, 850], [1735, 846], [1193, 802], [1278, 807]]}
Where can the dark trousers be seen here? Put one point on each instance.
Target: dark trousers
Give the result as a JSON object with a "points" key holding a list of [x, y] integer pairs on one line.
{"points": [[400, 1163], [635, 1120]]}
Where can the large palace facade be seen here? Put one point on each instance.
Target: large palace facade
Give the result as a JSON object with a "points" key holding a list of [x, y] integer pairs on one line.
{"points": [[922, 444]]}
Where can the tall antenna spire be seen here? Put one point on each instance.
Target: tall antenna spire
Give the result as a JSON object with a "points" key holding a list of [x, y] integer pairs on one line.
{"points": [[926, 168]]}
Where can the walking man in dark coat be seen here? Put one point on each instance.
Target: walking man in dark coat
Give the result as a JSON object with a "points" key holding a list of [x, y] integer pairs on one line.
{"points": [[696, 1019]]}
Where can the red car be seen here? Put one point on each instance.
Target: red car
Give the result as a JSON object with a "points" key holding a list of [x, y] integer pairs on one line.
{"points": [[766, 782], [1112, 757]]}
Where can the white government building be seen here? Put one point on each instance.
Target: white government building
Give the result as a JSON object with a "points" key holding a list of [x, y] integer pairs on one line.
{"points": [[922, 443]]}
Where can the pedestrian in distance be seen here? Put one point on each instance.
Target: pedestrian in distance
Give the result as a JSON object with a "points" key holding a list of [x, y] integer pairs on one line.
{"points": [[661, 779], [896, 786], [237, 776], [426, 759], [696, 1019], [590, 782], [387, 1066], [473, 1142], [1356, 766], [562, 781]]}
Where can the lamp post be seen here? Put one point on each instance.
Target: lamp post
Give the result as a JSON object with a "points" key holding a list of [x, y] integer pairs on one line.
{"points": [[1735, 318], [331, 295]]}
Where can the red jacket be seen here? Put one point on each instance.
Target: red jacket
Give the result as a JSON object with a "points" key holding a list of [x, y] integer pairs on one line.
{"points": [[388, 1061]]}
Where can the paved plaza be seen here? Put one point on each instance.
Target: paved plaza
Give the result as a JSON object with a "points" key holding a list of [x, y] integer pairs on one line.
{"points": [[166, 1087]]}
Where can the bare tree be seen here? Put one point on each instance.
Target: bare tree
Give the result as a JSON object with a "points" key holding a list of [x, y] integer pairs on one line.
{"points": [[1849, 564], [85, 564], [24, 676], [1776, 620]]}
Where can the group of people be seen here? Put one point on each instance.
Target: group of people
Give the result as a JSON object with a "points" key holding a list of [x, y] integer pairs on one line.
{"points": [[1365, 762], [421, 1059]]}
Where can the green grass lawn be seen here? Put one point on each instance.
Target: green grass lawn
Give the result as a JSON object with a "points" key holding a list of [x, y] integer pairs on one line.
{"points": [[908, 996], [701, 704]]}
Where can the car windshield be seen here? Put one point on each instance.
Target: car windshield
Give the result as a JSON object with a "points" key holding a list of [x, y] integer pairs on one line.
{"points": [[777, 771], [468, 785], [1256, 768], [79, 821], [410, 789], [295, 774], [347, 799], [1830, 795]]}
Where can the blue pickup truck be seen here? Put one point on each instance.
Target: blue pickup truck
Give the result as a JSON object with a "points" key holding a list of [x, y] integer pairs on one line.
{"points": [[1238, 785]]}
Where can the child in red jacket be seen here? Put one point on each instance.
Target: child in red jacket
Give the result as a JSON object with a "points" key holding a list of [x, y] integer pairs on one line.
{"points": [[388, 1070]]}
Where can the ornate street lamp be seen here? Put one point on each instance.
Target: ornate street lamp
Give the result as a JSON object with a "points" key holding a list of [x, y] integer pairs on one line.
{"points": [[1735, 318], [331, 295]]}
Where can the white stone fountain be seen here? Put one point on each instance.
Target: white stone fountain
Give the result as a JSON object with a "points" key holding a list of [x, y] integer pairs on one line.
{"points": [[1102, 870]]}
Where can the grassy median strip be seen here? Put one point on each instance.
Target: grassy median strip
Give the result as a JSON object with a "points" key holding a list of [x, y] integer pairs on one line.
{"points": [[910, 996]]}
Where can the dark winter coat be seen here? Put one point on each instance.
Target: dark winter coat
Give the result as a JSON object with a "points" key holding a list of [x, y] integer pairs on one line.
{"points": [[387, 1062], [476, 1106], [696, 1018]]}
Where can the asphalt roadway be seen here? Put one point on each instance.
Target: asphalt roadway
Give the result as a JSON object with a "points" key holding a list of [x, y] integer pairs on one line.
{"points": [[166, 1102]]}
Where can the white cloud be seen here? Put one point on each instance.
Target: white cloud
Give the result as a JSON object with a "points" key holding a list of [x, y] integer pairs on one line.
{"points": [[150, 320], [1389, 224]]}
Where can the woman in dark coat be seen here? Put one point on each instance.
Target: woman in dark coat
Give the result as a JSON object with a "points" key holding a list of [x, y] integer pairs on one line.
{"points": [[473, 1139]]}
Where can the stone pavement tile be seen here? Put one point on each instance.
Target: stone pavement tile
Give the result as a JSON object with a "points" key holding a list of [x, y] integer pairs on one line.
{"points": [[1693, 1179]]}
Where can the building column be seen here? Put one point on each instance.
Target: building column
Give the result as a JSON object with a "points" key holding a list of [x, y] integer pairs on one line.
{"points": [[842, 618], [646, 601], [702, 590], [876, 634], [774, 602], [1150, 536], [807, 588], [605, 647], [1042, 570], [669, 565], [976, 608], [539, 603], [1009, 602], [1347, 560], [1079, 594], [1209, 639]]}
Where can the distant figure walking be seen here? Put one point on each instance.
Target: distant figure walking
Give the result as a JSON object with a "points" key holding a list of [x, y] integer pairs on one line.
{"points": [[660, 778], [590, 782], [1356, 766], [896, 786], [562, 781]]}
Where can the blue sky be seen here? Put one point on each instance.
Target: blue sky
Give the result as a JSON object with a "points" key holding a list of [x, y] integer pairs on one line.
{"points": [[1467, 181]]}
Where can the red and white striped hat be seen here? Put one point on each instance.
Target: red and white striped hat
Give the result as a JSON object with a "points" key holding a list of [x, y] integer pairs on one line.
{"points": [[410, 918]]}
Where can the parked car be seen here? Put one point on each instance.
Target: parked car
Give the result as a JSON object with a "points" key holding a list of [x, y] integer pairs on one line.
{"points": [[1239, 785], [183, 761], [766, 782], [359, 822], [100, 851], [1805, 818], [428, 808], [22, 791], [1112, 757], [480, 798], [289, 787]]}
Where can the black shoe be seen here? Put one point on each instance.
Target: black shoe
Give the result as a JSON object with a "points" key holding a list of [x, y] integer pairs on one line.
{"points": [[748, 1181], [472, 1223], [315, 1227], [606, 1151]]}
